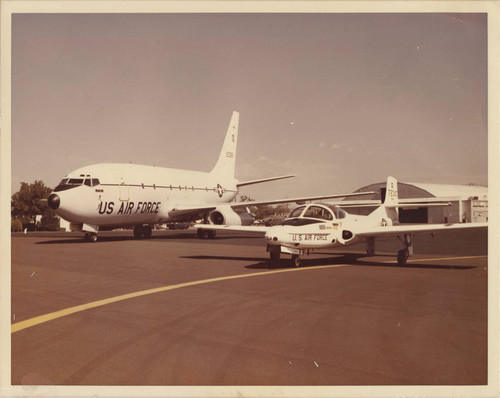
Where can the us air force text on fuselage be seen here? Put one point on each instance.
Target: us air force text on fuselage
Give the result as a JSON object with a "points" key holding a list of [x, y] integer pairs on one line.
{"points": [[129, 208]]}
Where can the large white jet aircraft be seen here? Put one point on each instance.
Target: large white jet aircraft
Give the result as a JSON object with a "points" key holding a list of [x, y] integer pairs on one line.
{"points": [[108, 196], [323, 226]]}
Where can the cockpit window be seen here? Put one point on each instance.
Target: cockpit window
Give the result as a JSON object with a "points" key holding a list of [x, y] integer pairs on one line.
{"points": [[298, 222], [91, 182], [296, 212], [69, 183], [340, 213], [318, 212]]}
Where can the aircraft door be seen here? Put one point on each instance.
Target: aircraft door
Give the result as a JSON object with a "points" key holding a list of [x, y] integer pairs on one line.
{"points": [[124, 191]]}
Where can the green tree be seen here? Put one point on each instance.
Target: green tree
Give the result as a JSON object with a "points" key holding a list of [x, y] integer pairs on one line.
{"points": [[246, 198], [282, 210], [49, 221], [26, 204], [16, 225]]}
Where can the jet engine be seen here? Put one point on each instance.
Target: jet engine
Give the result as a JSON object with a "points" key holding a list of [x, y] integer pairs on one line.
{"points": [[227, 216]]}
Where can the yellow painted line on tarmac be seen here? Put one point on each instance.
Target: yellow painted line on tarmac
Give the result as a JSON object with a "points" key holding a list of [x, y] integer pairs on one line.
{"points": [[16, 327], [438, 259]]}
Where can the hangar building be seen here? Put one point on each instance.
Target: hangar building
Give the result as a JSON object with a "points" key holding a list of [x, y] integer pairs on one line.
{"points": [[469, 203]]}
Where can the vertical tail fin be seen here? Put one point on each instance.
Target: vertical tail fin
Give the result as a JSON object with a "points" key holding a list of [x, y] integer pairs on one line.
{"points": [[224, 168], [391, 193], [389, 208]]}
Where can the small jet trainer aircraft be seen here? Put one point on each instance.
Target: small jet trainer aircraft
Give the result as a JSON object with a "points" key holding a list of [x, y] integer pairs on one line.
{"points": [[108, 196], [321, 226]]}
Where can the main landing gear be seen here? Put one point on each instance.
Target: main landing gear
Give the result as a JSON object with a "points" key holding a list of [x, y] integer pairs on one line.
{"points": [[143, 232], [274, 255], [407, 250], [91, 237], [370, 247], [206, 233]]}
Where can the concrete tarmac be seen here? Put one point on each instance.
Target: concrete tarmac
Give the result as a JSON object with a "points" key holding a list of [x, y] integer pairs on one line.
{"points": [[176, 310]]}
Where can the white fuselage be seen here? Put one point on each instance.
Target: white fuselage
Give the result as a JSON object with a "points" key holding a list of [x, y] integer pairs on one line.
{"points": [[129, 194], [327, 234], [322, 226]]}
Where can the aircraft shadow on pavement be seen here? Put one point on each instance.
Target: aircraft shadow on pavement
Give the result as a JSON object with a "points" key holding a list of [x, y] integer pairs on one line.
{"points": [[351, 259], [423, 265], [81, 240], [173, 236]]}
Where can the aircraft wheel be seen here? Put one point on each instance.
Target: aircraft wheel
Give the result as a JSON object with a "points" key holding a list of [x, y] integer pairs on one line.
{"points": [[147, 232], [402, 257], [211, 234], [370, 247], [138, 232], [201, 233], [296, 260], [93, 237], [86, 237], [274, 258]]}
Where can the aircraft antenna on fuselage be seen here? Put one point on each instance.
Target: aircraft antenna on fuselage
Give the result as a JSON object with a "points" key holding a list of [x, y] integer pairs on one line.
{"points": [[224, 168]]}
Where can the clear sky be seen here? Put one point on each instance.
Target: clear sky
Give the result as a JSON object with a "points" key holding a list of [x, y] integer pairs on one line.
{"points": [[342, 100]]}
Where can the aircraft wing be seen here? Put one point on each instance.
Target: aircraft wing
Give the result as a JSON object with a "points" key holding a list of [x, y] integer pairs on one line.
{"points": [[396, 230], [186, 211], [193, 213], [243, 183], [402, 203], [241, 228], [296, 200]]}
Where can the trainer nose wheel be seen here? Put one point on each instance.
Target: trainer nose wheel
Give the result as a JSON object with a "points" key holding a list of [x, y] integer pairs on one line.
{"points": [[296, 261]]}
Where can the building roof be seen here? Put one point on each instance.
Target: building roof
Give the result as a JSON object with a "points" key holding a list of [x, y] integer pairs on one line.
{"points": [[463, 191], [424, 190]]}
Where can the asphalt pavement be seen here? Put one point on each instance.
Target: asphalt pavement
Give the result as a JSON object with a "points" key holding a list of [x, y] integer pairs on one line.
{"points": [[179, 311]]}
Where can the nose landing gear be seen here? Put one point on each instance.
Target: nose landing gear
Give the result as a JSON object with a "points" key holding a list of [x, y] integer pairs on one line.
{"points": [[91, 237], [295, 260]]}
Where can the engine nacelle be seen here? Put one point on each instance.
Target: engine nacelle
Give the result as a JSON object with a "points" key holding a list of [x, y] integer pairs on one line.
{"points": [[345, 236], [227, 216]]}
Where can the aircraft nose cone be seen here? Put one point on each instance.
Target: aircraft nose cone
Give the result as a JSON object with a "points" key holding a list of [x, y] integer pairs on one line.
{"points": [[54, 201]]}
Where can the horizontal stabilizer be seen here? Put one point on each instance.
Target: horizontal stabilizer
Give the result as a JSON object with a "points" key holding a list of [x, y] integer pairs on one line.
{"points": [[242, 184]]}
